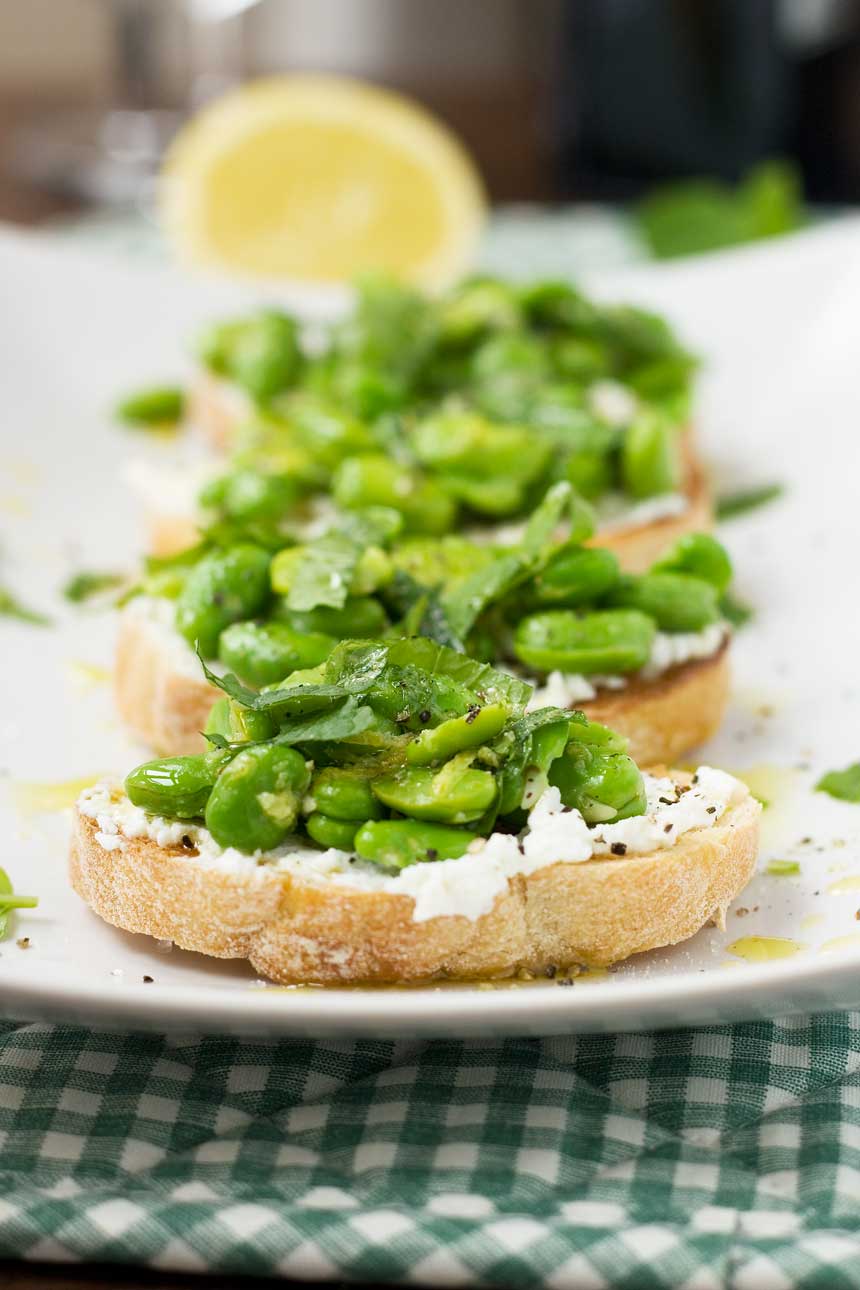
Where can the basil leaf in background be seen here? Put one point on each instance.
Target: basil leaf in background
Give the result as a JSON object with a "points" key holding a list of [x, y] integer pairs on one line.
{"points": [[841, 784], [698, 215], [747, 499]]}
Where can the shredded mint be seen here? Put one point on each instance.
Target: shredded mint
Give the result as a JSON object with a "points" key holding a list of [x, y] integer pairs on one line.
{"points": [[11, 607], [783, 868], [841, 784], [83, 585], [9, 902], [747, 499]]}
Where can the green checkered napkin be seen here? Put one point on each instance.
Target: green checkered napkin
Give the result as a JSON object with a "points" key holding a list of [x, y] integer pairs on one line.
{"points": [[721, 1157]]}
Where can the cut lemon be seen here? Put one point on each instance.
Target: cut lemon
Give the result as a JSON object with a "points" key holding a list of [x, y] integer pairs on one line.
{"points": [[318, 178]]}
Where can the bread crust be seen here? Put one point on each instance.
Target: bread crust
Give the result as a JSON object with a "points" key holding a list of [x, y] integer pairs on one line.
{"points": [[164, 707], [663, 718], [294, 931]]}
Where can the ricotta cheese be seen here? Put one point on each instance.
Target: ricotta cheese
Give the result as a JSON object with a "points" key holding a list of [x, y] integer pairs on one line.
{"points": [[467, 886]]}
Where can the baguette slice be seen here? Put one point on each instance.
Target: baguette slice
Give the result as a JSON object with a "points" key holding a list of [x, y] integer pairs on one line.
{"points": [[167, 707], [298, 931]]}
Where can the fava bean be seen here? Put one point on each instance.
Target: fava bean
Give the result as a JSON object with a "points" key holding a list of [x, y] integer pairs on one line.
{"points": [[476, 309], [464, 442], [176, 787], [579, 359], [577, 575], [255, 802], [597, 736], [328, 432], [395, 844], [252, 495], [329, 832], [700, 556], [223, 588], [265, 358], [602, 786], [431, 561], [262, 653], [606, 641], [650, 456], [437, 743], [375, 480], [159, 406], [342, 795], [248, 726], [361, 618], [416, 792], [675, 601]]}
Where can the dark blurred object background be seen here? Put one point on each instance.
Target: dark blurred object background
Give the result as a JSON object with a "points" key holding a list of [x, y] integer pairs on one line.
{"points": [[559, 100]]}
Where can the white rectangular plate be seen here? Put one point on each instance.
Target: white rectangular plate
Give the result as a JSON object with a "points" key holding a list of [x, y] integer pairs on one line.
{"points": [[780, 398]]}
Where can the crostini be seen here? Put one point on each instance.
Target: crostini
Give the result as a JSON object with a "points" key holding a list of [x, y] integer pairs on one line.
{"points": [[456, 412], [647, 654], [398, 816]]}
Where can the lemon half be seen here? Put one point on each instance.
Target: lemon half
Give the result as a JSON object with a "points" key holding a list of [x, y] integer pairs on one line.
{"points": [[317, 178]]}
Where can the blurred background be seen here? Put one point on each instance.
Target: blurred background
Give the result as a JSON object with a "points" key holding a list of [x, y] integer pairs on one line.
{"points": [[565, 102]]}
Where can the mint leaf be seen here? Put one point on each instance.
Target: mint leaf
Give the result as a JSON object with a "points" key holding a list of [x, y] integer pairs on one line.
{"points": [[350, 718], [11, 607], [747, 499], [465, 601], [86, 584], [841, 784], [9, 902], [324, 574]]}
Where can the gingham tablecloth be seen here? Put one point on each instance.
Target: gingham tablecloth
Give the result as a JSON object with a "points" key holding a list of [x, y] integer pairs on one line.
{"points": [[723, 1157]]}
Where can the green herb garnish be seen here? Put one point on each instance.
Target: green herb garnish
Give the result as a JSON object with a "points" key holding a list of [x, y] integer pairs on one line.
{"points": [[83, 585], [154, 408], [11, 607], [747, 499], [783, 868], [841, 784], [698, 215], [9, 901]]}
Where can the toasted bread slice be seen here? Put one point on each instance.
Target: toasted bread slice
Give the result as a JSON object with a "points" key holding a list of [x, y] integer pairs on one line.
{"points": [[167, 706], [294, 929]]}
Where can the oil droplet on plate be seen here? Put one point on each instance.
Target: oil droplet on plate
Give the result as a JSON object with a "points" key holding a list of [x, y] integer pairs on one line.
{"points": [[86, 675], [768, 783], [851, 883], [34, 798], [765, 949], [810, 921]]}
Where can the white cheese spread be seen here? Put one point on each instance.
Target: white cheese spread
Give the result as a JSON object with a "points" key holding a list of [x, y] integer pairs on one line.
{"points": [[468, 886]]}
